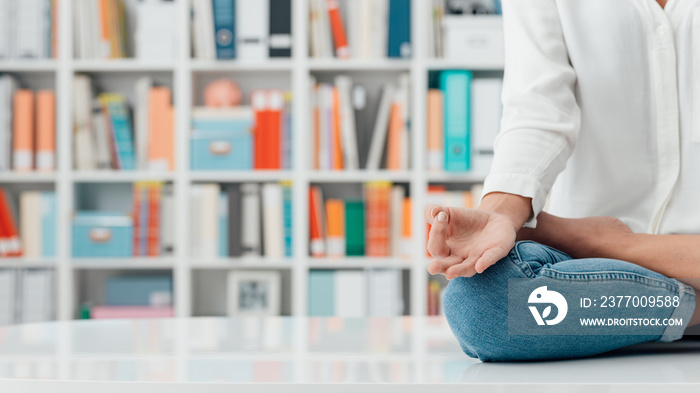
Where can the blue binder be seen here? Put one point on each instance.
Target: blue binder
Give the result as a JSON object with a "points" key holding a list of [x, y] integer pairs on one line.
{"points": [[456, 87], [48, 224], [225, 28], [399, 39]]}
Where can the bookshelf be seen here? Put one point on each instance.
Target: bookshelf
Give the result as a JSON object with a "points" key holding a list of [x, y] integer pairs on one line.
{"points": [[187, 78]]}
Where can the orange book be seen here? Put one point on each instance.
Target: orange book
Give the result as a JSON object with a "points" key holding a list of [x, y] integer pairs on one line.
{"points": [[45, 130], [104, 27], [12, 244], [54, 29], [23, 131], [335, 224], [378, 195], [154, 199], [315, 227], [337, 138], [393, 143], [273, 149], [137, 189], [406, 232], [161, 130], [340, 40], [435, 130]]}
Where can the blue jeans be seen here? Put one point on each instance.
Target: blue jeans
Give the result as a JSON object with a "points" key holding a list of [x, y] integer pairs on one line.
{"points": [[496, 316]]}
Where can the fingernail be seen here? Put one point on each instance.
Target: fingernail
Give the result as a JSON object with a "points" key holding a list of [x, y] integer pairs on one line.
{"points": [[442, 216]]}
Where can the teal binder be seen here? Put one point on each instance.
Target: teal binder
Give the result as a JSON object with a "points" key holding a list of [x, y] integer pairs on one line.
{"points": [[456, 87], [354, 228], [321, 293]]}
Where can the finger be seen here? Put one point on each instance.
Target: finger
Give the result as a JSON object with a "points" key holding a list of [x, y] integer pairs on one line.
{"points": [[437, 240], [464, 269], [431, 211], [440, 266], [489, 258]]}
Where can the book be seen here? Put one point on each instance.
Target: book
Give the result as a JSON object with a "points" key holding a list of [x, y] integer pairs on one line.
{"points": [[48, 218], [30, 223], [348, 128], [235, 248], [23, 131], [486, 115], [280, 39], [377, 242], [156, 33], [167, 220], [435, 130], [335, 224], [251, 221], [37, 294], [10, 243], [354, 228], [288, 215], [456, 119], [223, 222], [399, 34], [225, 28], [122, 134], [203, 34], [252, 30], [340, 41], [396, 205], [350, 297], [317, 235], [153, 238], [381, 125], [161, 130], [8, 85], [321, 293], [209, 220], [142, 120], [45, 130], [273, 220]]}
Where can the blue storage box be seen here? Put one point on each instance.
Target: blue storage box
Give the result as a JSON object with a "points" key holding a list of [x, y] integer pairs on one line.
{"points": [[139, 291], [221, 150], [102, 234]]}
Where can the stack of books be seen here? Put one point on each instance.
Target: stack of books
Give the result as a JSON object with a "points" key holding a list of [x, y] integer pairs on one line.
{"points": [[377, 226], [344, 135], [362, 29], [104, 137], [26, 296], [153, 219], [464, 115], [246, 220], [29, 29], [356, 293], [36, 235], [247, 30], [27, 128], [258, 136], [135, 296]]}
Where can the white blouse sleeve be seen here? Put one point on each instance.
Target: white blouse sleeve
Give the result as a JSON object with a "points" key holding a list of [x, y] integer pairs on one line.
{"points": [[541, 118]]}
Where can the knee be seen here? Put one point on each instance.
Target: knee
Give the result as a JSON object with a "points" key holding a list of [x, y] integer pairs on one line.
{"points": [[477, 315]]}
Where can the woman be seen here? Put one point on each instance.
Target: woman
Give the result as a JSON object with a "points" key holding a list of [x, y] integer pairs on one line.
{"points": [[604, 97]]}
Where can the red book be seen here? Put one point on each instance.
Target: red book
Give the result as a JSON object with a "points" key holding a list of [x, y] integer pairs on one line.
{"points": [[13, 246], [154, 198], [340, 39], [4, 231], [315, 223]]}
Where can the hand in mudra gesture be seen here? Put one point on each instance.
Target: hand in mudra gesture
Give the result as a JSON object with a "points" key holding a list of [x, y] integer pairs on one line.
{"points": [[465, 242]]}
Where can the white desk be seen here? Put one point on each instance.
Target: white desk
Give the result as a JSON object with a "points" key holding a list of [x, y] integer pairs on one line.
{"points": [[211, 354]]}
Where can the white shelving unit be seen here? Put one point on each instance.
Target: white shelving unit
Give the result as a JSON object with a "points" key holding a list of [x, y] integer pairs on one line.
{"points": [[187, 77]]}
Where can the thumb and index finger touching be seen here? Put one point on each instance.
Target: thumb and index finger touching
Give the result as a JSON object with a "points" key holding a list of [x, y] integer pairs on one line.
{"points": [[439, 217]]}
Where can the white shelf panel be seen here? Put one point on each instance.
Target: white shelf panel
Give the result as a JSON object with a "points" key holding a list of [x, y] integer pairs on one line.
{"points": [[121, 176], [241, 176], [28, 65], [116, 65], [27, 177], [358, 176], [137, 263], [242, 263], [233, 65], [359, 262], [446, 177], [22, 262], [359, 65], [474, 64]]}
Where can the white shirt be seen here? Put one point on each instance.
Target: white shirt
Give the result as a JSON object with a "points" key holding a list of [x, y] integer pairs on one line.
{"points": [[612, 86]]}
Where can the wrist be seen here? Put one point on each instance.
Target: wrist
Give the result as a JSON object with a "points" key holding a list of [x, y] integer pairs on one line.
{"points": [[516, 208]]}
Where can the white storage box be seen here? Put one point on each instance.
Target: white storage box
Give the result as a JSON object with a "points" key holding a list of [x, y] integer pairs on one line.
{"points": [[476, 39]]}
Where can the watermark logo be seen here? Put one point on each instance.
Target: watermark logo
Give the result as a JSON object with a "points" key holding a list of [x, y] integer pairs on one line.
{"points": [[542, 296]]}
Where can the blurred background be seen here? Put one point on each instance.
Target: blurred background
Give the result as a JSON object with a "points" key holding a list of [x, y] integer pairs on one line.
{"points": [[237, 157]]}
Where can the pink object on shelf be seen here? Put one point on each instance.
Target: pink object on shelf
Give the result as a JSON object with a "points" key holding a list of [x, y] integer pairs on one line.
{"points": [[114, 312], [222, 93]]}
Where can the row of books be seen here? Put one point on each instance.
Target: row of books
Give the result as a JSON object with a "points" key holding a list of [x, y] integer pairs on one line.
{"points": [[154, 208], [247, 30], [27, 127], [464, 115], [26, 296], [360, 28], [258, 136], [356, 293], [28, 29], [101, 29], [377, 226], [36, 235], [106, 136], [133, 296], [344, 136], [241, 220]]}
